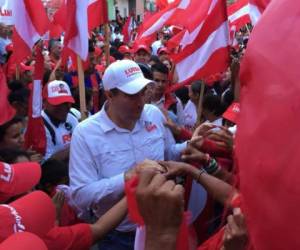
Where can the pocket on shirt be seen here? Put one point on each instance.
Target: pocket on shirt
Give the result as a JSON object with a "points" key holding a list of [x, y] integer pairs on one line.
{"points": [[152, 147], [114, 161]]}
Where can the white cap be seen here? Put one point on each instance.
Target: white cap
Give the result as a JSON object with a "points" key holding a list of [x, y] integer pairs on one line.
{"points": [[58, 92], [125, 75]]}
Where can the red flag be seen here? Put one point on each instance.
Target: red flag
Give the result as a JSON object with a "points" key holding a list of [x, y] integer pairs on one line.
{"points": [[257, 7], [35, 136], [97, 13], [7, 111], [267, 141], [58, 23], [76, 37], [208, 51], [31, 23], [238, 14], [128, 28], [161, 4]]}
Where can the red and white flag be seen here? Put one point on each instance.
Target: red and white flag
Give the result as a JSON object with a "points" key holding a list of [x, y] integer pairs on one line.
{"points": [[239, 14], [35, 136], [256, 8], [268, 126], [208, 54], [31, 23], [128, 28], [77, 34]]}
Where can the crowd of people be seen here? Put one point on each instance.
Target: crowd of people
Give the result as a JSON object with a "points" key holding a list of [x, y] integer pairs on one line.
{"points": [[172, 141]]}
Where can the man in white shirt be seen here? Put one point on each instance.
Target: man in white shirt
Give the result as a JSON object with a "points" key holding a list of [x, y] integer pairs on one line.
{"points": [[162, 100], [58, 121], [107, 146]]}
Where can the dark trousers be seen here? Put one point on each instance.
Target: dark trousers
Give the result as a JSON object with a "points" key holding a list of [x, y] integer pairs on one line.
{"points": [[116, 240]]}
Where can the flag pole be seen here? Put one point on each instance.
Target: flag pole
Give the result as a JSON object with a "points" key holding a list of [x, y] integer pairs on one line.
{"points": [[106, 48], [200, 106], [83, 110], [18, 71]]}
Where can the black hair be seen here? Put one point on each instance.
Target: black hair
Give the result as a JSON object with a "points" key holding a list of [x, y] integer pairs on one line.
{"points": [[146, 71], [10, 155], [160, 67], [6, 125], [196, 87], [53, 172], [183, 94], [52, 42], [212, 103], [18, 92], [154, 59], [75, 94], [46, 76]]}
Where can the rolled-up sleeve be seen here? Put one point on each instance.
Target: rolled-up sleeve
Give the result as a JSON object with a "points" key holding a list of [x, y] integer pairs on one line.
{"points": [[88, 189]]}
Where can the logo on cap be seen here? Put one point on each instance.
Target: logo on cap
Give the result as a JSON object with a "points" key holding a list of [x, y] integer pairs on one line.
{"points": [[18, 226], [132, 71]]}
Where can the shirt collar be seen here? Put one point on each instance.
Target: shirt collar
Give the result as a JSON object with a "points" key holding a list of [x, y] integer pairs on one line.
{"points": [[107, 124]]}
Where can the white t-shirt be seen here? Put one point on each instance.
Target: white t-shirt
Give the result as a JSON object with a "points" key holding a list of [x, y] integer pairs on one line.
{"points": [[63, 133], [155, 46], [190, 115]]}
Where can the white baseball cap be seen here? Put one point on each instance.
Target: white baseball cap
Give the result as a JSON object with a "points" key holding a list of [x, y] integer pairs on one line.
{"points": [[58, 92], [125, 75]]}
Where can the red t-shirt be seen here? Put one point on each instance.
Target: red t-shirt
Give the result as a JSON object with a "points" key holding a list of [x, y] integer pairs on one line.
{"points": [[77, 237]]}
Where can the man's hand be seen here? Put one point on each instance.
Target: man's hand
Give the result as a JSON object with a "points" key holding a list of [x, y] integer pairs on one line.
{"points": [[193, 154], [178, 169], [222, 137], [161, 204], [202, 129], [235, 235], [147, 164]]}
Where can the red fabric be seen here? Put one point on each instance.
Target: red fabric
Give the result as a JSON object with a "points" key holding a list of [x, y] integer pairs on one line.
{"points": [[267, 141], [97, 14], [7, 111], [23, 241], [185, 134], [77, 237], [134, 215], [161, 4], [35, 136], [35, 212], [58, 23], [243, 19], [71, 27], [261, 4], [214, 150]]}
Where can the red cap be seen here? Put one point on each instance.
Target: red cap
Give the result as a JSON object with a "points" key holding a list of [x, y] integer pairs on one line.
{"points": [[9, 47], [23, 241], [18, 178], [142, 47], [34, 213], [124, 49], [232, 112], [58, 92], [163, 50]]}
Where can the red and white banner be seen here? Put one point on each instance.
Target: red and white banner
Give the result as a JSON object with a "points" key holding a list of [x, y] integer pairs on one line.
{"points": [[128, 28], [35, 136], [6, 12], [208, 54], [31, 23], [76, 37], [256, 8], [239, 14]]}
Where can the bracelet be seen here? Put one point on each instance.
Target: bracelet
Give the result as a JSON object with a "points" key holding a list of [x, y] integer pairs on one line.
{"points": [[202, 171], [212, 166]]}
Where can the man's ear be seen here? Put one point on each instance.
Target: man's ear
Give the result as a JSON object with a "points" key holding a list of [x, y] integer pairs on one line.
{"points": [[108, 94]]}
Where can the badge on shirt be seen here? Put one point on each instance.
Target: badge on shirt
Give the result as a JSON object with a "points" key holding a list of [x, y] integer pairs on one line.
{"points": [[150, 126]]}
